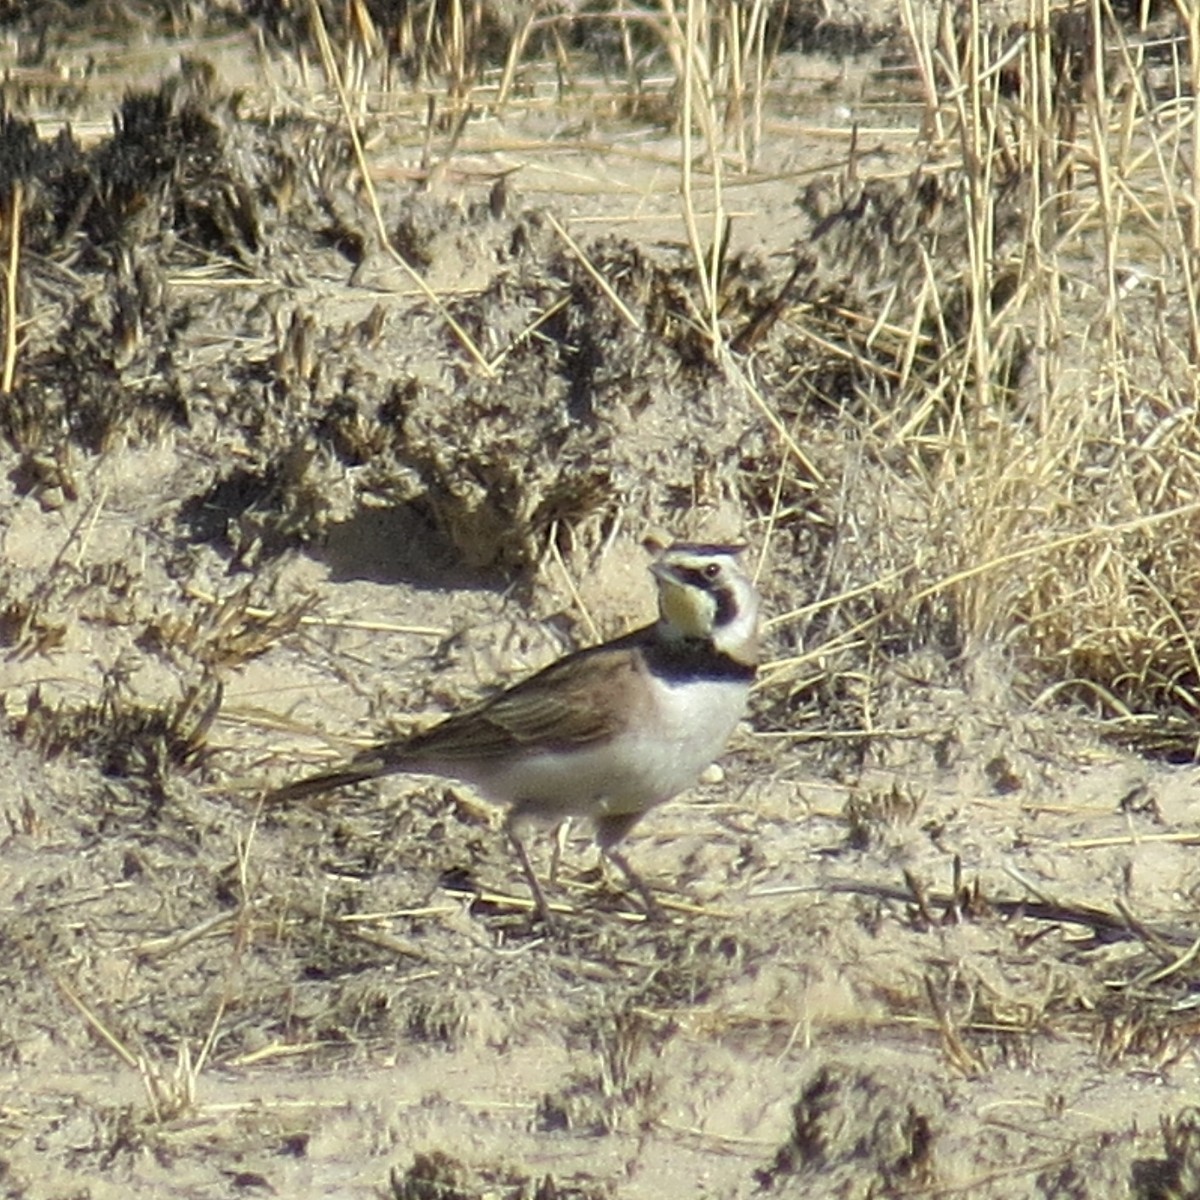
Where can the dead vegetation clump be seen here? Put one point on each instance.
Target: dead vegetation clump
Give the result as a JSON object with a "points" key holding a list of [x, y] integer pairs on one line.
{"points": [[435, 1175], [578, 348], [105, 359], [845, 1119], [128, 739]]}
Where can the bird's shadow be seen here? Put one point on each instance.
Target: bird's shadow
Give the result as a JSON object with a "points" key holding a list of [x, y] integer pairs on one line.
{"points": [[400, 544]]}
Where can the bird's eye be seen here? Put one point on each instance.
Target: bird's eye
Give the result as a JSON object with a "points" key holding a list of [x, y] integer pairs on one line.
{"points": [[712, 570]]}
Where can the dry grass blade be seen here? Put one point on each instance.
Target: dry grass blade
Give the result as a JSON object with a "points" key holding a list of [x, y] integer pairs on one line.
{"points": [[689, 47], [163, 947], [168, 1096], [601, 282], [1174, 966], [955, 1047], [1105, 925], [11, 277]]}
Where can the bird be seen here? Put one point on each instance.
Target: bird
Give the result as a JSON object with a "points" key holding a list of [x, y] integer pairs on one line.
{"points": [[607, 732]]}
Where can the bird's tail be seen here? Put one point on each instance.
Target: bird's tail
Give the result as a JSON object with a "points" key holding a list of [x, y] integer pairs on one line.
{"points": [[368, 765]]}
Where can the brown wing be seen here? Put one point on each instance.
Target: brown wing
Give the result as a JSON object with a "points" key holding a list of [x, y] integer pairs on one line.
{"points": [[581, 699]]}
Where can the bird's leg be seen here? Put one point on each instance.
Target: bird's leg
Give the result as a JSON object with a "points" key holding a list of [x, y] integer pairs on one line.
{"points": [[539, 897], [654, 910], [610, 829]]}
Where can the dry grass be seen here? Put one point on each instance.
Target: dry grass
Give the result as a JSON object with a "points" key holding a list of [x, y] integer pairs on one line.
{"points": [[1022, 411]]}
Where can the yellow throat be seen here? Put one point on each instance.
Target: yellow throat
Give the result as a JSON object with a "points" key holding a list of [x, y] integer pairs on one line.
{"points": [[687, 610]]}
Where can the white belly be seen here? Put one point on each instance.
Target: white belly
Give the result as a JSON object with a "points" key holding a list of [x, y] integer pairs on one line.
{"points": [[652, 760]]}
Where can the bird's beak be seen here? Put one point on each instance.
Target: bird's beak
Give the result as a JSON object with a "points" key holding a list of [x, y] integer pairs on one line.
{"points": [[665, 573]]}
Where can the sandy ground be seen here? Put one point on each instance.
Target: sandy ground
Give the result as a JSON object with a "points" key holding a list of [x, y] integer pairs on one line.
{"points": [[955, 963]]}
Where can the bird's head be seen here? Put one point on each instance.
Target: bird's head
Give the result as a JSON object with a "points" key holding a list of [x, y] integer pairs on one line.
{"points": [[703, 593]]}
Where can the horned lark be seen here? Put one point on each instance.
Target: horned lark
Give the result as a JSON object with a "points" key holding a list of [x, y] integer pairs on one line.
{"points": [[607, 732]]}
